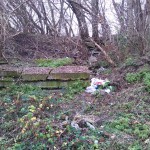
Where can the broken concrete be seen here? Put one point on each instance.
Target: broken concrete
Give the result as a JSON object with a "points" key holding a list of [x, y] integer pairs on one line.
{"points": [[44, 77], [9, 71], [69, 73], [35, 73]]}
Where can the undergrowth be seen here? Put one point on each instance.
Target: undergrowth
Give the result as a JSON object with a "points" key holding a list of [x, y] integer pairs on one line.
{"points": [[32, 119], [141, 76], [53, 62]]}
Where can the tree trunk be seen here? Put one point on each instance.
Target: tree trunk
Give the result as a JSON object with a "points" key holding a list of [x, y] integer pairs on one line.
{"points": [[95, 20], [119, 8], [140, 24], [77, 9], [147, 13], [1, 30], [139, 20], [130, 18]]}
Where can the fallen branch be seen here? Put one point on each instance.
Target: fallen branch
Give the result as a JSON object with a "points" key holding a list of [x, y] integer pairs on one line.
{"points": [[104, 52]]}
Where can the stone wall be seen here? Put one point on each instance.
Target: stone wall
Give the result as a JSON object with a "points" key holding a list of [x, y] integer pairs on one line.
{"points": [[44, 77]]}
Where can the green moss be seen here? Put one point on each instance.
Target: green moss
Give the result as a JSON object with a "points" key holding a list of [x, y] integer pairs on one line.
{"points": [[34, 77], [68, 76], [133, 77], [130, 61], [53, 62], [141, 76], [6, 79]]}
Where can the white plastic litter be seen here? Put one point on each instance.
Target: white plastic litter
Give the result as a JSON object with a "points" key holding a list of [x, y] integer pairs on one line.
{"points": [[90, 126], [90, 89], [75, 125], [107, 91], [99, 84]]}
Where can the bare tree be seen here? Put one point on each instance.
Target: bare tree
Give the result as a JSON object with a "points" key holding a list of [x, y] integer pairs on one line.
{"points": [[77, 9], [130, 17], [95, 19], [120, 11], [106, 32], [2, 30]]}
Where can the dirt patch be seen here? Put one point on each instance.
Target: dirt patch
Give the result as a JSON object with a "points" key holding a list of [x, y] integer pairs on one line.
{"points": [[29, 47]]}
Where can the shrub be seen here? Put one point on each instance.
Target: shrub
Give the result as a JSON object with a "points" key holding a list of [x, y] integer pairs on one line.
{"points": [[53, 62], [141, 76], [133, 77]]}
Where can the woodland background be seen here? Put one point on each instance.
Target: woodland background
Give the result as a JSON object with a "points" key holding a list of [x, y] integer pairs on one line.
{"points": [[74, 22]]}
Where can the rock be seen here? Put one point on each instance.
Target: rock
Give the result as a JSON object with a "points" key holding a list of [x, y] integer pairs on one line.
{"points": [[69, 73], [35, 73], [40, 76], [64, 124], [92, 61], [9, 71], [51, 84], [75, 125]]}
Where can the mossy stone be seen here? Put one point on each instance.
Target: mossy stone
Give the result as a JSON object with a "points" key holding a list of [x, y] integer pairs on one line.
{"points": [[35, 73], [49, 84], [8, 71], [69, 73], [4, 82], [53, 84], [34, 77], [68, 76]]}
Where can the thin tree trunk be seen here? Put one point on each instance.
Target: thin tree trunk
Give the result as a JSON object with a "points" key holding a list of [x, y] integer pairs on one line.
{"points": [[140, 24], [130, 18], [119, 8], [147, 15], [1, 30], [76, 8], [95, 9]]}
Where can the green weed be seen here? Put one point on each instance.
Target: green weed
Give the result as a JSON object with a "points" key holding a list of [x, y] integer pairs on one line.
{"points": [[53, 62], [133, 77], [141, 76], [75, 88], [130, 61]]}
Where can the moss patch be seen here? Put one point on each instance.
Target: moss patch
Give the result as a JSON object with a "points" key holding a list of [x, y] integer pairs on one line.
{"points": [[53, 62], [55, 84], [69, 73]]}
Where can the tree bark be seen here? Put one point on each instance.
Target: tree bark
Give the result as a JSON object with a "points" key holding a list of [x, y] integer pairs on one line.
{"points": [[140, 24], [130, 18], [78, 11], [119, 8], [95, 10], [147, 13], [1, 30]]}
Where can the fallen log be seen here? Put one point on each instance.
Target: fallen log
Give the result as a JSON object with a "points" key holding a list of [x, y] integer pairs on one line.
{"points": [[104, 52]]}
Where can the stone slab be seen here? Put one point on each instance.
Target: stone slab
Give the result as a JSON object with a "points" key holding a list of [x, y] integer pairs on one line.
{"points": [[69, 73], [35, 73], [10, 71], [53, 84], [6, 81]]}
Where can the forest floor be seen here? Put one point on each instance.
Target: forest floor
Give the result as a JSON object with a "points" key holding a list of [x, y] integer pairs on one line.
{"points": [[37, 119]]}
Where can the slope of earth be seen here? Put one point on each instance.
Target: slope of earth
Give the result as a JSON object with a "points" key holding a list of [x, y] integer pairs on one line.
{"points": [[35, 119], [26, 47]]}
